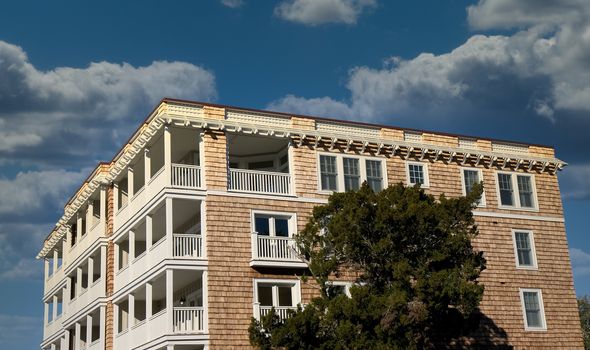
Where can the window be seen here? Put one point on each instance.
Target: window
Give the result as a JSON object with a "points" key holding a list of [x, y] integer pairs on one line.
{"points": [[274, 224], [283, 295], [516, 190], [524, 249], [346, 173], [329, 173], [471, 177], [337, 288], [532, 307], [417, 173]]}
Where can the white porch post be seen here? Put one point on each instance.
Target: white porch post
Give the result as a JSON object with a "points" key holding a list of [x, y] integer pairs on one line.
{"points": [[203, 229], [169, 227], [102, 326], [131, 317], [64, 294], [54, 301], [90, 271], [90, 215], [46, 314], [129, 183], [64, 245], [66, 341], [169, 299], [148, 300], [79, 281], [78, 227], [148, 232], [46, 262], [116, 318], [131, 246], [77, 336], [55, 258], [103, 262], [167, 155], [117, 257], [88, 330], [53, 346], [205, 295], [147, 165], [115, 197], [169, 347], [103, 205]]}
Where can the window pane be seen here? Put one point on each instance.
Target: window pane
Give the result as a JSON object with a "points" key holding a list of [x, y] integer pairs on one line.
{"points": [[328, 173], [351, 174], [416, 172], [532, 309], [265, 295], [285, 298], [523, 248], [505, 184], [261, 225], [525, 191], [471, 177], [282, 227], [374, 177]]}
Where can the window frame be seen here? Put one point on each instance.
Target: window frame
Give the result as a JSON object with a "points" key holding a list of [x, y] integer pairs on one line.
{"points": [[340, 170], [295, 290], [528, 328], [425, 173], [292, 221], [344, 284], [482, 201], [531, 236], [515, 191]]}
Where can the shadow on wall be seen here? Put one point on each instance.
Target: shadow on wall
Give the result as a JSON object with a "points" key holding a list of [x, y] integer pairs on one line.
{"points": [[483, 333]]}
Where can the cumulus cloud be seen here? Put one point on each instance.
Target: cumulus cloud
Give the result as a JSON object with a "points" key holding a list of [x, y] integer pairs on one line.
{"points": [[316, 12], [234, 4], [19, 244], [43, 110], [33, 193], [580, 262], [575, 181]]}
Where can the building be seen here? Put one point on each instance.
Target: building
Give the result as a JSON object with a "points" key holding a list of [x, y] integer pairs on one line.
{"points": [[187, 233]]}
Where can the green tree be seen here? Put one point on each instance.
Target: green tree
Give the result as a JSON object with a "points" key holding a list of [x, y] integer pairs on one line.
{"points": [[584, 307], [418, 273]]}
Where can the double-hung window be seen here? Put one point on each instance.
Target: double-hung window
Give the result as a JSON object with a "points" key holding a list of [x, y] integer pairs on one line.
{"points": [[417, 174], [282, 295], [272, 236], [532, 308], [340, 172], [516, 191], [470, 177], [524, 249]]}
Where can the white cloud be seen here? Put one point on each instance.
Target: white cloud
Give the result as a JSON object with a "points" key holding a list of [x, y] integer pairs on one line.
{"points": [[580, 262], [316, 12], [32, 191], [19, 244], [232, 3], [44, 110], [312, 106]]}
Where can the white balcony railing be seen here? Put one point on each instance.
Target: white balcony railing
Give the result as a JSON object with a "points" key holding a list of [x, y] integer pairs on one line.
{"points": [[281, 311], [188, 176], [187, 246], [188, 319], [274, 248], [259, 181]]}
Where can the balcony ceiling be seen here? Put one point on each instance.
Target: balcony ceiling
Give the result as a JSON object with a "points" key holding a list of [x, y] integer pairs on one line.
{"points": [[248, 145]]}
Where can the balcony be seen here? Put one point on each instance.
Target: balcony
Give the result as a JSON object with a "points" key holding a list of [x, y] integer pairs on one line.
{"points": [[188, 319], [275, 251], [186, 176], [264, 182], [281, 311]]}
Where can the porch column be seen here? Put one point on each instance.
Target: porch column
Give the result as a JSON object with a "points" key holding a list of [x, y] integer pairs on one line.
{"points": [[78, 227], [116, 318], [131, 317], [148, 232], [203, 229], [90, 215], [66, 341], [115, 197], [90, 271], [46, 262], [88, 330], [116, 256], [55, 258], [103, 262], [147, 161], [64, 246], [102, 325], [169, 227], [129, 183], [169, 347], [79, 281], [169, 300], [167, 155], [148, 300], [77, 335], [53, 346], [205, 294], [103, 205], [64, 294], [54, 316], [131, 246], [46, 314]]}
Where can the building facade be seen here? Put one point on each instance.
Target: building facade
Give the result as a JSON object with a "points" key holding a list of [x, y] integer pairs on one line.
{"points": [[188, 232]]}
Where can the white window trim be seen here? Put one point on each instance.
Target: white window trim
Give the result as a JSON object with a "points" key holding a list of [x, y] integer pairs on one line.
{"points": [[541, 306], [292, 221], [340, 170], [344, 284], [424, 167], [515, 191], [482, 202], [533, 250], [295, 290]]}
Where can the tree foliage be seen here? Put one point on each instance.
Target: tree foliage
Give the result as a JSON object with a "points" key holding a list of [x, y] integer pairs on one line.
{"points": [[584, 308], [418, 273]]}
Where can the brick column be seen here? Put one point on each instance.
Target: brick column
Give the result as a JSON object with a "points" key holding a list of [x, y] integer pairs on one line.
{"points": [[110, 271]]}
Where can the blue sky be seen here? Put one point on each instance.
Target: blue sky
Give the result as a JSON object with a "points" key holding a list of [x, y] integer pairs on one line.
{"points": [[77, 77]]}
